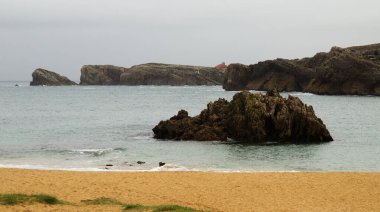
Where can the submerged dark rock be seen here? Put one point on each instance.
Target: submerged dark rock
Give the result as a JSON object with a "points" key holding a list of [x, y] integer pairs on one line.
{"points": [[49, 78], [342, 71], [249, 118]]}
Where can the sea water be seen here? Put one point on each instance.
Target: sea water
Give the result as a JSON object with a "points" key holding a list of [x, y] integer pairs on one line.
{"points": [[88, 127]]}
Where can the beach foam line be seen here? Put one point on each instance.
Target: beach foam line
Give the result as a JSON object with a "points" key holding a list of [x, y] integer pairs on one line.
{"points": [[165, 168], [91, 150], [94, 152], [298, 94]]}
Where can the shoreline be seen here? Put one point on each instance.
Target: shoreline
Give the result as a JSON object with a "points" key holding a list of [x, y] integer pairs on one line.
{"points": [[158, 170], [211, 191], [169, 168], [166, 168]]}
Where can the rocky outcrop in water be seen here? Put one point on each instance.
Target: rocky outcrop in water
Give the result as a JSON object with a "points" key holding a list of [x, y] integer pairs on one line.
{"points": [[167, 74], [249, 118], [101, 75], [342, 71], [49, 78], [150, 74]]}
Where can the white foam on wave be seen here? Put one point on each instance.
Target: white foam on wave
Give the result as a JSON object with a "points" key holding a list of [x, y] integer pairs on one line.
{"points": [[93, 152], [170, 167], [300, 94], [41, 167], [82, 151], [142, 137], [165, 168]]}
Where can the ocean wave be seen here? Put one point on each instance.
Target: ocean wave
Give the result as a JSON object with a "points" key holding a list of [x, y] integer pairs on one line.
{"points": [[88, 88], [142, 137], [44, 167], [300, 94], [93, 152], [165, 168], [171, 167]]}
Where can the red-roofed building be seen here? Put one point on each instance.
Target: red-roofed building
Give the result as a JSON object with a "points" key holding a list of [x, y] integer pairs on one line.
{"points": [[221, 67]]}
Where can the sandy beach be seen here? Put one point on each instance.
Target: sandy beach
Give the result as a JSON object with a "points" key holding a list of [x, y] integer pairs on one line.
{"points": [[200, 190]]}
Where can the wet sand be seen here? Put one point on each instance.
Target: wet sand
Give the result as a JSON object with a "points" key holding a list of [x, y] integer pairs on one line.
{"points": [[200, 190]]}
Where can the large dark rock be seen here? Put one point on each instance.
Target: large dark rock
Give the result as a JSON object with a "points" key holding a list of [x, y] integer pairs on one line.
{"points": [[101, 75], [49, 78], [167, 74], [250, 118], [349, 71]]}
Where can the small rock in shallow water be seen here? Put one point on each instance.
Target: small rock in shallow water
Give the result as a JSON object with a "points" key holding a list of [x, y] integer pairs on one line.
{"points": [[140, 162], [161, 164], [109, 165]]}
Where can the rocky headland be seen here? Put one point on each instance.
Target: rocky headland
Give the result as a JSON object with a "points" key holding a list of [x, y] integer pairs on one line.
{"points": [[342, 71], [248, 118], [44, 77], [150, 74]]}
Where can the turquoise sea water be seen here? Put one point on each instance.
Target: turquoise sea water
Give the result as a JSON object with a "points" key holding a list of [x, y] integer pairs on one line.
{"points": [[85, 128]]}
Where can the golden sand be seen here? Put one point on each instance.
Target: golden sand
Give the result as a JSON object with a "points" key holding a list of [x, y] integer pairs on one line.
{"points": [[200, 190]]}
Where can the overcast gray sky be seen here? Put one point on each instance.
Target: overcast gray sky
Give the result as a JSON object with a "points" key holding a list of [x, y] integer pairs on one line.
{"points": [[63, 35]]}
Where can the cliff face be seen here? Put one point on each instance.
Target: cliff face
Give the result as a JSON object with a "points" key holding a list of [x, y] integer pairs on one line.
{"points": [[150, 74], [167, 74], [49, 78], [101, 75], [351, 71]]}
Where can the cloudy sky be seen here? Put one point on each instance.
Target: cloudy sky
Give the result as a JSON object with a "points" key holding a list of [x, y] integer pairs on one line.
{"points": [[63, 35]]}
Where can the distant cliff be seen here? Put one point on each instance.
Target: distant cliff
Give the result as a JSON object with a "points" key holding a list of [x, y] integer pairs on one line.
{"points": [[342, 71], [165, 74], [150, 74], [49, 78]]}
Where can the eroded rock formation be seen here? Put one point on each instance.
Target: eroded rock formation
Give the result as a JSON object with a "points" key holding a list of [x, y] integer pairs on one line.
{"points": [[150, 74], [49, 78], [101, 75], [342, 71], [167, 74], [250, 118]]}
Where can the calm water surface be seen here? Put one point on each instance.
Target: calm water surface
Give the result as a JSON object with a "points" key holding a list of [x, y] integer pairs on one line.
{"points": [[85, 128]]}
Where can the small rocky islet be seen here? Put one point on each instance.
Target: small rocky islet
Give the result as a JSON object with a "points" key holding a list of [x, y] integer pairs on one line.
{"points": [[49, 78], [248, 118]]}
